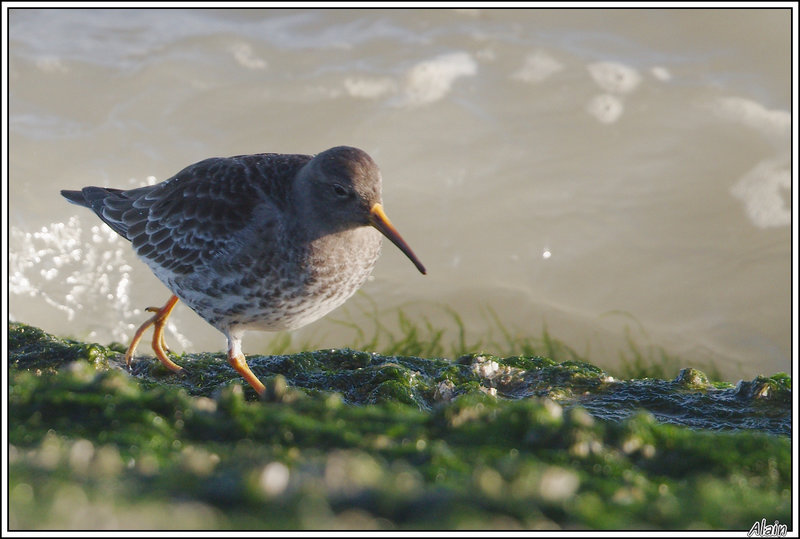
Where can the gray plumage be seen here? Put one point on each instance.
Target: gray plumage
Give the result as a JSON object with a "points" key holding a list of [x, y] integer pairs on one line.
{"points": [[265, 241]]}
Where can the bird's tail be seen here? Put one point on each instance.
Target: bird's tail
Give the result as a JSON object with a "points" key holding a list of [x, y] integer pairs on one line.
{"points": [[76, 197], [97, 199], [88, 196]]}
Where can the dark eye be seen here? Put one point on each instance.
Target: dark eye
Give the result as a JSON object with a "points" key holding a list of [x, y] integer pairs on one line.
{"points": [[340, 191]]}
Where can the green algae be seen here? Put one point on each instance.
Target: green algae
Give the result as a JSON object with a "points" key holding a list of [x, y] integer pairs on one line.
{"points": [[418, 336], [348, 439], [36, 350]]}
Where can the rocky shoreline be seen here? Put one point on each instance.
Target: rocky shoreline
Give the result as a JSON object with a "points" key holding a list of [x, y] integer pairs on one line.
{"points": [[353, 440]]}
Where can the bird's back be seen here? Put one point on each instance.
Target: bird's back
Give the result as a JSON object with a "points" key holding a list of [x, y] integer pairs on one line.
{"points": [[204, 190]]}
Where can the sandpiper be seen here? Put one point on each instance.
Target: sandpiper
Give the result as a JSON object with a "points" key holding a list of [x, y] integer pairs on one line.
{"points": [[266, 241]]}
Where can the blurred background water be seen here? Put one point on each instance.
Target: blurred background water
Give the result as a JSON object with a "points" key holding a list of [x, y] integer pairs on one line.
{"points": [[604, 174]]}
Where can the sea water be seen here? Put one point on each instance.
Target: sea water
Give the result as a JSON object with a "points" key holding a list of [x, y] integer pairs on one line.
{"points": [[605, 175]]}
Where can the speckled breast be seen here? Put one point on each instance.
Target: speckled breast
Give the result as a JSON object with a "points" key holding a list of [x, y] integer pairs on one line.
{"points": [[280, 292]]}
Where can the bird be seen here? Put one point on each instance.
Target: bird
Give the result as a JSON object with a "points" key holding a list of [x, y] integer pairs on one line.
{"points": [[267, 241]]}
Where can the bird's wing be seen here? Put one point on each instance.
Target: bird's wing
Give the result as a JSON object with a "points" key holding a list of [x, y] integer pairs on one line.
{"points": [[196, 216]]}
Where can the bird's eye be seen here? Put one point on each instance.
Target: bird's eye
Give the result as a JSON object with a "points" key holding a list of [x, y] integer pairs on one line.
{"points": [[340, 191]]}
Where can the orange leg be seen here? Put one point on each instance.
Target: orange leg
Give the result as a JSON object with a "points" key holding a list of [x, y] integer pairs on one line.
{"points": [[157, 321], [239, 363]]}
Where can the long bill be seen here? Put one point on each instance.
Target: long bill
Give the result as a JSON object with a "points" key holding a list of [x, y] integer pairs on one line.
{"points": [[378, 219]]}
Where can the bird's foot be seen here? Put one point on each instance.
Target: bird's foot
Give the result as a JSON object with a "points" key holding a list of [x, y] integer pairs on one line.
{"points": [[158, 320], [239, 363]]}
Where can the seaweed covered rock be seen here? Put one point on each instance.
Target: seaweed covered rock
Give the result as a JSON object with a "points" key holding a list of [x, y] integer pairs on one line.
{"points": [[354, 440]]}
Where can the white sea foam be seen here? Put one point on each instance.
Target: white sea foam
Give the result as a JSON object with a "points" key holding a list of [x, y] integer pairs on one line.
{"points": [[605, 108], [51, 64], [370, 87], [661, 73], [614, 77], [245, 57], [539, 66], [71, 269], [765, 193], [431, 80], [774, 123], [764, 190]]}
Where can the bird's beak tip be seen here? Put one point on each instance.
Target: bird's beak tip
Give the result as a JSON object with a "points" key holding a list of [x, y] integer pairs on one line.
{"points": [[378, 219]]}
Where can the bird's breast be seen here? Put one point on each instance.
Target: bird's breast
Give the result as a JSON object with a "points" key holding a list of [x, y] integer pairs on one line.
{"points": [[287, 293], [340, 263]]}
